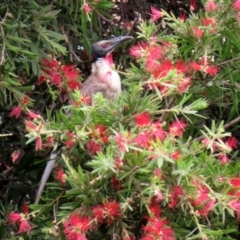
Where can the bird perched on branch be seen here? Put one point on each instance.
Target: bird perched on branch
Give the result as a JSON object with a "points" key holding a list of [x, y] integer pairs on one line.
{"points": [[103, 79]]}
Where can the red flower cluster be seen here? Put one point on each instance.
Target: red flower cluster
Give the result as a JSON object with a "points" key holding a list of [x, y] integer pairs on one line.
{"points": [[17, 111], [176, 128], [236, 5], [76, 227], [211, 6], [202, 200], [86, 8], [157, 228], [175, 196], [99, 132], [20, 219], [108, 212], [59, 175], [143, 119], [70, 140], [59, 75], [155, 14]]}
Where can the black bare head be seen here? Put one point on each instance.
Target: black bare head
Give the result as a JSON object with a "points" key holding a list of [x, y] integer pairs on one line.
{"points": [[102, 48]]}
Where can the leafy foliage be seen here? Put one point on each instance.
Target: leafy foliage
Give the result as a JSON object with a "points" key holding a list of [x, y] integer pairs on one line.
{"points": [[159, 163]]}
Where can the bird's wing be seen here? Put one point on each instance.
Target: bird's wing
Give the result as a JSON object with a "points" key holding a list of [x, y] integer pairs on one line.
{"points": [[92, 86]]}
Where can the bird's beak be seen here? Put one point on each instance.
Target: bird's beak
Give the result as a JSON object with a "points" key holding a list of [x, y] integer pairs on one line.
{"points": [[104, 47], [115, 41]]}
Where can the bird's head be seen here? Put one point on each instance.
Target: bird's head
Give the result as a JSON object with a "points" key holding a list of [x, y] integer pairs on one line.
{"points": [[104, 47]]}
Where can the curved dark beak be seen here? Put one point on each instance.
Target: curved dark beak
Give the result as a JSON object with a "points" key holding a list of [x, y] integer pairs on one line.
{"points": [[102, 48]]}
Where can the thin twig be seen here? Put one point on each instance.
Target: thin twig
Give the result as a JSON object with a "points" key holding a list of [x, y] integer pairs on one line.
{"points": [[101, 16], [234, 121], [169, 105], [3, 38], [234, 59]]}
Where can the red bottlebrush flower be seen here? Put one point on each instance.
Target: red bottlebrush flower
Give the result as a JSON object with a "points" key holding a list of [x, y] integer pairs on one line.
{"points": [[15, 155], [236, 5], [151, 64], [176, 155], [235, 182], [71, 72], [41, 80], [193, 5], [32, 115], [24, 226], [122, 142], [25, 208], [16, 112], [155, 209], [55, 78], [38, 143], [198, 33], [112, 211], [25, 100], [138, 50], [93, 147], [163, 69], [49, 140], [98, 212], [234, 205], [142, 139], [202, 200], [177, 128], [155, 14], [70, 140], [157, 173], [50, 63], [75, 226], [86, 8], [181, 66], [212, 70], [157, 229], [59, 175], [184, 85], [86, 100], [232, 142], [209, 21], [100, 132], [143, 119], [195, 66], [182, 16], [128, 25], [14, 218], [211, 6], [223, 158], [118, 163], [175, 196], [107, 212], [157, 132], [30, 125], [115, 183]]}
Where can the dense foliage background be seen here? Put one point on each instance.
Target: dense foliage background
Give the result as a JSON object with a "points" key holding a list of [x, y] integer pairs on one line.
{"points": [[160, 163]]}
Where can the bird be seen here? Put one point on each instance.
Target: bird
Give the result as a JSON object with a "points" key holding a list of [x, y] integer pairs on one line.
{"points": [[103, 79]]}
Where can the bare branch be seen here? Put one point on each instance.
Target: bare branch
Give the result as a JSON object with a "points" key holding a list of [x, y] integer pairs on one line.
{"points": [[3, 37]]}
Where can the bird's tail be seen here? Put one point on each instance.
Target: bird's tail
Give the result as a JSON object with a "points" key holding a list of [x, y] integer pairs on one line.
{"points": [[47, 171]]}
